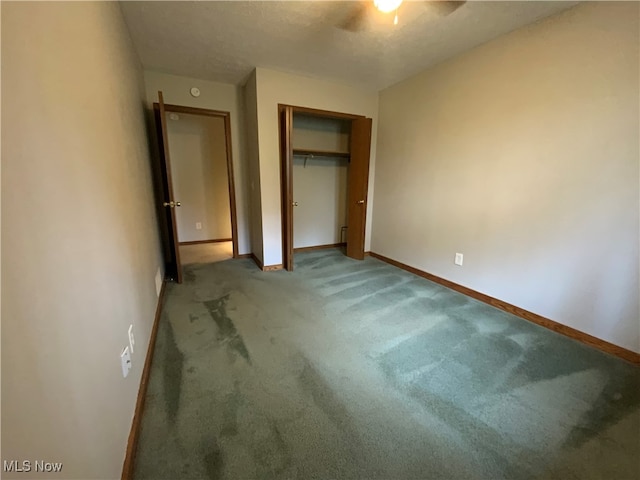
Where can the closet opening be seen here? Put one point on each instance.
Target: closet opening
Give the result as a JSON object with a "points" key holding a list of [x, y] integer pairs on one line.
{"points": [[198, 186], [325, 168]]}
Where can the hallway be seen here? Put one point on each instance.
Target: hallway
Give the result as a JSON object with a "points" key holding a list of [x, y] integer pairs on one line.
{"points": [[206, 252]]}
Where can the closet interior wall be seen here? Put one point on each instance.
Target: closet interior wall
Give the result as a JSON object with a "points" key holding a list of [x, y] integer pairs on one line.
{"points": [[320, 173]]}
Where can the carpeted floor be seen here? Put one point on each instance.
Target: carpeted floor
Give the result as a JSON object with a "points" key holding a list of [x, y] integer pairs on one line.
{"points": [[348, 369]]}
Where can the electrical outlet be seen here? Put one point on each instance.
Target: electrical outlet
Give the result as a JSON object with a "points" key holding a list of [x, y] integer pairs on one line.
{"points": [[125, 360], [198, 226], [458, 260], [132, 341]]}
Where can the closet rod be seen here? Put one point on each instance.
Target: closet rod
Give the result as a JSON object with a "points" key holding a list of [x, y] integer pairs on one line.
{"points": [[320, 153]]}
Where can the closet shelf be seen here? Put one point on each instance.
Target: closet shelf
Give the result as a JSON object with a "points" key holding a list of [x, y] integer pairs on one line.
{"points": [[320, 153]]}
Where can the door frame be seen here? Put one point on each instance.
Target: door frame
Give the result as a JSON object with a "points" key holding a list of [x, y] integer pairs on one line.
{"points": [[231, 182], [285, 128], [286, 168]]}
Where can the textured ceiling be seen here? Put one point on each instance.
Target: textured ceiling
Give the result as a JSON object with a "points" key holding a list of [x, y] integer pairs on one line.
{"points": [[225, 40]]}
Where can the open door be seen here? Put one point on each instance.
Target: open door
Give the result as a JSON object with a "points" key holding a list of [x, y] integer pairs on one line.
{"points": [[173, 268], [358, 184], [286, 155]]}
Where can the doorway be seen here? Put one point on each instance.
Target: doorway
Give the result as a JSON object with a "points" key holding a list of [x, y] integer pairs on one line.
{"points": [[198, 193], [324, 159]]}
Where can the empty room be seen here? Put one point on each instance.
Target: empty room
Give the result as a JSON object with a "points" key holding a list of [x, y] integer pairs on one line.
{"points": [[320, 239]]}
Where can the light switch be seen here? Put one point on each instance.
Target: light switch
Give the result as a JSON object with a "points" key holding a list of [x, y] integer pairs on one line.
{"points": [[125, 359], [132, 341]]}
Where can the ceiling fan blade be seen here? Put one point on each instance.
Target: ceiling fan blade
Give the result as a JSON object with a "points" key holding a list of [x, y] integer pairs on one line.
{"points": [[445, 7], [356, 20]]}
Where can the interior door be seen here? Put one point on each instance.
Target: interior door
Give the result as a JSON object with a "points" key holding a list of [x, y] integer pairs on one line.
{"points": [[173, 268], [357, 187], [286, 162]]}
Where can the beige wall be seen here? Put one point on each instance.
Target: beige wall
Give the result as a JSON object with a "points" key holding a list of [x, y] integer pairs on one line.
{"points": [[523, 155], [250, 106], [320, 189], [214, 96], [197, 148], [277, 87], [318, 133], [79, 235]]}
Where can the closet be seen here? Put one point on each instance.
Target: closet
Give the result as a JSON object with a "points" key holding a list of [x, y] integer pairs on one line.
{"points": [[325, 168], [320, 164]]}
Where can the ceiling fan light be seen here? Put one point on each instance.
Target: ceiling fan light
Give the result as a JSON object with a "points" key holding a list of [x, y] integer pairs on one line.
{"points": [[387, 6]]}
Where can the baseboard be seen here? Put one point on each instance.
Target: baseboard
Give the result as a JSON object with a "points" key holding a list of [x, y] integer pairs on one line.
{"points": [[198, 242], [318, 247], [244, 255], [134, 434], [271, 268], [265, 268], [257, 260], [565, 330]]}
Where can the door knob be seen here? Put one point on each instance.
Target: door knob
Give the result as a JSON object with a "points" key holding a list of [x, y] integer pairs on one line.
{"points": [[295, 204], [360, 201]]}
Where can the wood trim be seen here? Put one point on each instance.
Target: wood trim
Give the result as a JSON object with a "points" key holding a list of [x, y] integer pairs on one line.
{"points": [[245, 255], [134, 434], [565, 330], [160, 188], [265, 268], [213, 240], [232, 188], [167, 166], [257, 260], [358, 186], [194, 110], [319, 247], [285, 130], [272, 268], [321, 113]]}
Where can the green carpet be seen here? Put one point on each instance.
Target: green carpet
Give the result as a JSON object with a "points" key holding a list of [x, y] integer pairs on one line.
{"points": [[348, 369]]}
